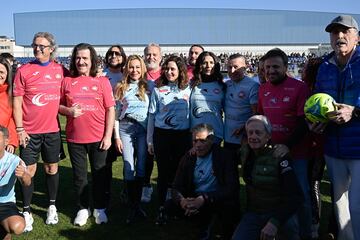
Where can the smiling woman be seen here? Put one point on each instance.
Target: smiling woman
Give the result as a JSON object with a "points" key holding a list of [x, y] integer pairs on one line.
{"points": [[168, 125]]}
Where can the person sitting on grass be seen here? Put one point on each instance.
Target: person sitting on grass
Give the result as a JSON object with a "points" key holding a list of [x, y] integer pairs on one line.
{"points": [[207, 184], [11, 167]]}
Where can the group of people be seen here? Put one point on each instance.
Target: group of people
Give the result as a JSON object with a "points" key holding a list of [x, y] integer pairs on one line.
{"points": [[199, 129]]}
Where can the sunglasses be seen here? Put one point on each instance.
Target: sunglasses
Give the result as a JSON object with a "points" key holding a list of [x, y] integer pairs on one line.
{"points": [[111, 53], [41, 47]]}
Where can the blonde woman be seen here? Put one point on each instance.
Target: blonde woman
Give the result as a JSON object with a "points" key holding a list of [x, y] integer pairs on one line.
{"points": [[130, 129]]}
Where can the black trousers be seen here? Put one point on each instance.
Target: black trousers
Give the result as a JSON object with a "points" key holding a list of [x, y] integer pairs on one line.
{"points": [[227, 213], [169, 147], [79, 154]]}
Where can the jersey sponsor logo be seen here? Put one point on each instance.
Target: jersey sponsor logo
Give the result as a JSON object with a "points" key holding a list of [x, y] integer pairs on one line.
{"points": [[204, 90], [94, 88], [216, 91], [273, 100], [36, 100], [284, 163], [163, 90], [286, 99], [168, 121], [197, 111], [242, 94]]}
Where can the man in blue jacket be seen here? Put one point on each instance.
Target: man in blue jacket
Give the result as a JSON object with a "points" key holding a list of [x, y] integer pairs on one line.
{"points": [[339, 76]]}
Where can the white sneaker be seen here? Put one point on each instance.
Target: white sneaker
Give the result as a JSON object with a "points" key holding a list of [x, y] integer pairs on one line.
{"points": [[82, 217], [100, 216], [29, 220], [146, 194], [52, 216], [168, 194]]}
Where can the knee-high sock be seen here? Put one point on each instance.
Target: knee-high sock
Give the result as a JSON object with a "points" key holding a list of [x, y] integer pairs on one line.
{"points": [[52, 182], [27, 192]]}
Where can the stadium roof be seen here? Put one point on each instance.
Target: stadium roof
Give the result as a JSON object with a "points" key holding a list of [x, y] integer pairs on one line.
{"points": [[175, 26]]}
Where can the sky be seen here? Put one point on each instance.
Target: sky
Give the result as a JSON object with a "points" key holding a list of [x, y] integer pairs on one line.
{"points": [[9, 7]]}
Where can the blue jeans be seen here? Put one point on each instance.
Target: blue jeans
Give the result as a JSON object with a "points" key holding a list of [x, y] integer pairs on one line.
{"points": [[304, 216], [345, 178], [252, 223], [133, 137]]}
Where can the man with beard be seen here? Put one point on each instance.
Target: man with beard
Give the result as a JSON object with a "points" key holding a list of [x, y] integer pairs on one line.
{"points": [[339, 76], [36, 103], [115, 59], [241, 99], [153, 57], [281, 100], [194, 53]]}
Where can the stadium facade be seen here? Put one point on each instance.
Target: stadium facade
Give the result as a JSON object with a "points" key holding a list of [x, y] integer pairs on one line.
{"points": [[219, 30]]}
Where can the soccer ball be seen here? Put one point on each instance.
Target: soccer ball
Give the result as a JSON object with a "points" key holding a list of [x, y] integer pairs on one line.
{"points": [[317, 106]]}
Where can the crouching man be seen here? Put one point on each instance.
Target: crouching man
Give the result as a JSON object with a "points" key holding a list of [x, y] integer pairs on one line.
{"points": [[207, 184], [11, 167]]}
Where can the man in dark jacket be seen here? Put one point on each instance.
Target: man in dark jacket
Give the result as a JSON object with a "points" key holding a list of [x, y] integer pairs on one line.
{"points": [[207, 183]]}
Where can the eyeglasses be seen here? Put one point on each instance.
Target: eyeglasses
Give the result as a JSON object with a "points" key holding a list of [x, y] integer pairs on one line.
{"points": [[118, 54], [41, 47]]}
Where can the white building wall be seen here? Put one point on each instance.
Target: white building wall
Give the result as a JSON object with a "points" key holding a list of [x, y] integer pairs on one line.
{"points": [[217, 49]]}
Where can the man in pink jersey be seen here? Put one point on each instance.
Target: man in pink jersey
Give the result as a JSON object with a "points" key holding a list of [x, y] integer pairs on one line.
{"points": [[194, 53], [88, 103], [36, 104], [282, 100], [152, 58]]}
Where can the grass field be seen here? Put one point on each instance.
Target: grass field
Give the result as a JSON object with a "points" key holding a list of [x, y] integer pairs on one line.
{"points": [[116, 227]]}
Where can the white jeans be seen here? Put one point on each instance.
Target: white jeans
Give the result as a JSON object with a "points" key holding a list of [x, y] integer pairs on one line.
{"points": [[345, 177]]}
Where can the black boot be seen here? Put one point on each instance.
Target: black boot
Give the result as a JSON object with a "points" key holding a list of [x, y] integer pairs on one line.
{"points": [[131, 189], [139, 182]]}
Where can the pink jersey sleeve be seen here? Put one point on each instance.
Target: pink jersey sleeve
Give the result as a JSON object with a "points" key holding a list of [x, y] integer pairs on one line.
{"points": [[19, 87], [109, 100]]}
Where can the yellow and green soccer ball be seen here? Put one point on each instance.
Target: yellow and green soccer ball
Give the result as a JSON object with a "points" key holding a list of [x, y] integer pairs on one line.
{"points": [[317, 106]]}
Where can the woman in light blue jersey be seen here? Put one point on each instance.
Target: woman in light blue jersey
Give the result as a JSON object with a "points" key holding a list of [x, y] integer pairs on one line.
{"points": [[207, 94], [168, 126], [130, 129]]}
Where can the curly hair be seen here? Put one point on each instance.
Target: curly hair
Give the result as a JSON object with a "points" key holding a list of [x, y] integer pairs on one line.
{"points": [[123, 84], [122, 53], [93, 56], [182, 78], [215, 76]]}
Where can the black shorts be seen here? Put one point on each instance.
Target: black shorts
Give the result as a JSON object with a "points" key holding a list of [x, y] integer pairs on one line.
{"points": [[48, 144], [7, 210]]}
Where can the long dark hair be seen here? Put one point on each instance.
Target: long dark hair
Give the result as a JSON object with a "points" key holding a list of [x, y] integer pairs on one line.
{"points": [[94, 59], [182, 79], [122, 53], [215, 76], [8, 79]]}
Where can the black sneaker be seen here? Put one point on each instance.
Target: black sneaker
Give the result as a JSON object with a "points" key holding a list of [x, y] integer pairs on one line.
{"points": [[161, 218]]}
